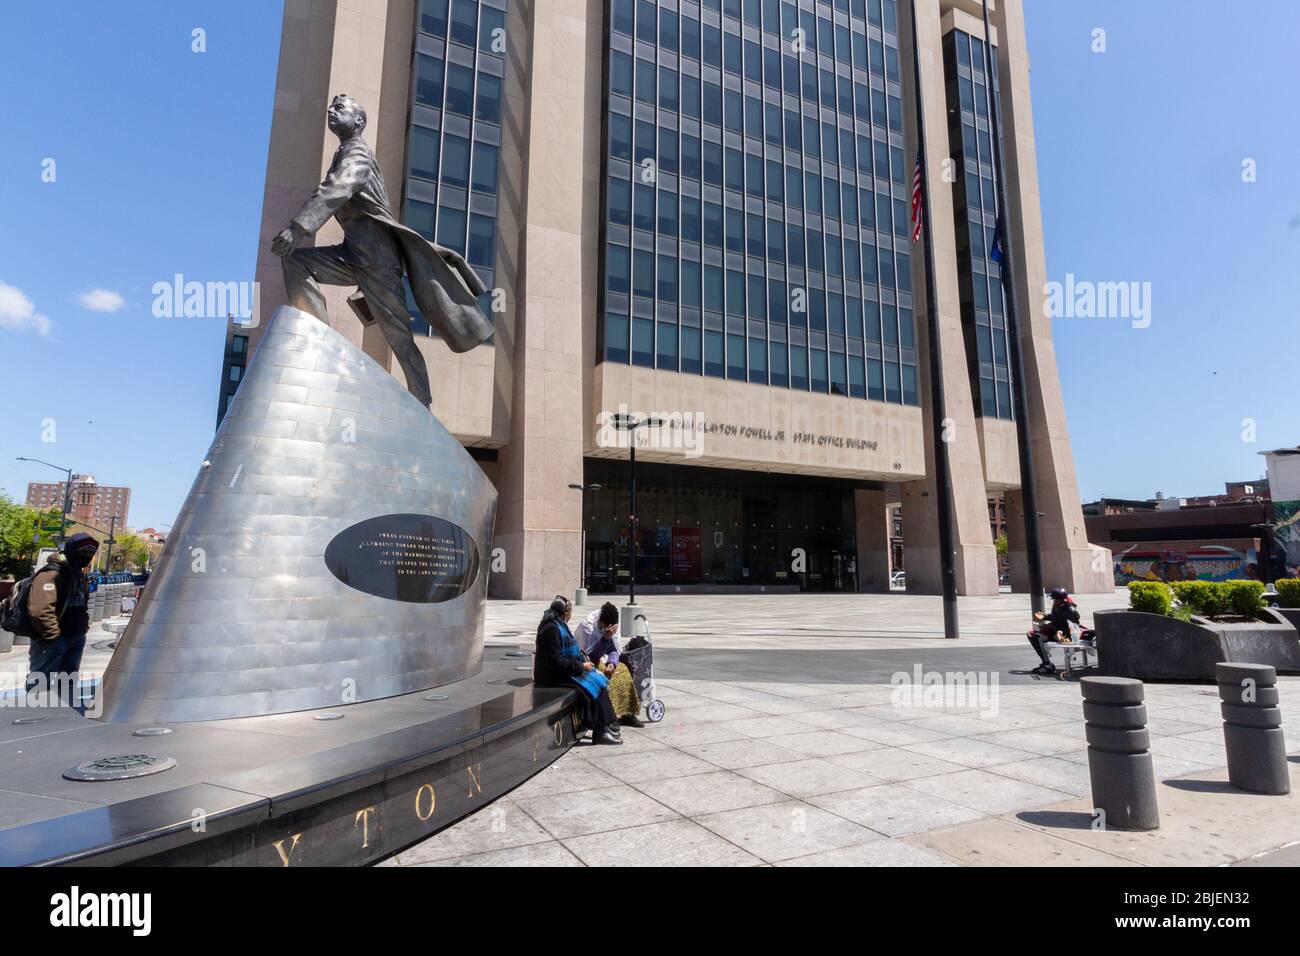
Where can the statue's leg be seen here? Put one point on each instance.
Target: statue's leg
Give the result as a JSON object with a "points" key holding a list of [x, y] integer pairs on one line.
{"points": [[305, 270], [387, 301]]}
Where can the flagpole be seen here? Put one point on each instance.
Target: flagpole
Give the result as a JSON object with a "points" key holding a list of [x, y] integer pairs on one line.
{"points": [[1028, 491], [942, 467]]}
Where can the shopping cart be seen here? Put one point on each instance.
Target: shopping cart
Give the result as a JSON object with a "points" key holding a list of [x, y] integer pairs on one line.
{"points": [[638, 654]]}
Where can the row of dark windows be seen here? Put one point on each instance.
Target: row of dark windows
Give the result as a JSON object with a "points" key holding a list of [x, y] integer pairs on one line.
{"points": [[690, 285], [819, 34], [975, 215], [704, 228], [453, 154], [820, 255], [760, 360], [467, 22]]}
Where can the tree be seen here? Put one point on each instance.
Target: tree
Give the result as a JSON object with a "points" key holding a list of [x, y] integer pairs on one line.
{"points": [[1001, 545], [23, 532], [129, 552]]}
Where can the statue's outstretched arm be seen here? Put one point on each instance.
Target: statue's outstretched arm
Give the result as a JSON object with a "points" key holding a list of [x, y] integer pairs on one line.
{"points": [[342, 183]]}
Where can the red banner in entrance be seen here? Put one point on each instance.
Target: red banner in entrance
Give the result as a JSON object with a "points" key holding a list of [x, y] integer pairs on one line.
{"points": [[687, 568]]}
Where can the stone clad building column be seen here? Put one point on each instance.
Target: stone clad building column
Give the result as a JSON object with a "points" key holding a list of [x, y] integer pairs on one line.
{"points": [[871, 529], [540, 518], [976, 565]]}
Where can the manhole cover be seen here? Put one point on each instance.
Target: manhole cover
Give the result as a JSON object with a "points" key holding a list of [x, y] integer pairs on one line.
{"points": [[120, 767], [328, 715], [30, 720], [436, 697], [151, 732]]}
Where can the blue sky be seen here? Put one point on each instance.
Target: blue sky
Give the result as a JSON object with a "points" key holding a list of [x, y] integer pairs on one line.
{"points": [[1140, 153], [160, 156]]}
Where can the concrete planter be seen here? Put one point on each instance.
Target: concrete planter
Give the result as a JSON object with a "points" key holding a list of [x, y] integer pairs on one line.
{"points": [[1155, 647], [1291, 614]]}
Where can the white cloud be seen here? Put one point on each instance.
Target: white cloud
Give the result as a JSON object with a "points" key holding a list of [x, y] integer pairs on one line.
{"points": [[101, 300], [18, 314]]}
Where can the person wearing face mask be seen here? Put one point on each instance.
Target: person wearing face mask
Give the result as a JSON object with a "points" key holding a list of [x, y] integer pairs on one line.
{"points": [[57, 605]]}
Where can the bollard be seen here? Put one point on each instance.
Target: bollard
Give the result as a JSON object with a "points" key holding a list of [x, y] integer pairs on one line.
{"points": [[1119, 756], [1252, 728], [97, 605], [580, 597]]}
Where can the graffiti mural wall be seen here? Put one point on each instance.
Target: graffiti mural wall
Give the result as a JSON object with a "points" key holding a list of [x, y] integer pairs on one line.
{"points": [[1211, 563]]}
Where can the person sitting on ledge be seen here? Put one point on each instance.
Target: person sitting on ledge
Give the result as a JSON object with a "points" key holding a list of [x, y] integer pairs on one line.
{"points": [[599, 639], [1050, 627], [559, 662]]}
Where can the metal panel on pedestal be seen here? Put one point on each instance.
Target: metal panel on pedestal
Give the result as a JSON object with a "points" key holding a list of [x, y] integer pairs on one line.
{"points": [[243, 616]]}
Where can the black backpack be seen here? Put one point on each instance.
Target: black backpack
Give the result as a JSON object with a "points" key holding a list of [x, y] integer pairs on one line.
{"points": [[15, 615]]}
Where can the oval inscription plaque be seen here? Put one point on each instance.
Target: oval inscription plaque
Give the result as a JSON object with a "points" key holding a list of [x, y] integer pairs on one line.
{"points": [[419, 559]]}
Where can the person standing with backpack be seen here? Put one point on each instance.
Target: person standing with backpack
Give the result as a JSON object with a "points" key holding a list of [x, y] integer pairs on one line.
{"points": [[57, 607]]}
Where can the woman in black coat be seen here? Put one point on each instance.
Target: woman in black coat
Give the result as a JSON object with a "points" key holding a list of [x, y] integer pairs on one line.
{"points": [[559, 662]]}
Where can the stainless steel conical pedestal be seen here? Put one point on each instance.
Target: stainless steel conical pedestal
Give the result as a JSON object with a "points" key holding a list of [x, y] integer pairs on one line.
{"points": [[333, 549]]}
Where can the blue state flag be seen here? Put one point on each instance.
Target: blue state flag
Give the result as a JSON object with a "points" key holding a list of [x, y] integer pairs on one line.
{"points": [[995, 253]]}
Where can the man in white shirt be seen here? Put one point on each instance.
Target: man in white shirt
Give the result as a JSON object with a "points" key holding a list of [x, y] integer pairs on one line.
{"points": [[598, 637]]}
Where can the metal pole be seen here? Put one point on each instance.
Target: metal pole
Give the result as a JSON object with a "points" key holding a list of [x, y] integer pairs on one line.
{"points": [[1028, 493], [67, 497], [632, 446], [942, 472], [112, 527]]}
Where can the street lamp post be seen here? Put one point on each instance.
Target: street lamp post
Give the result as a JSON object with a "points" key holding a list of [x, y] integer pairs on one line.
{"points": [[67, 493], [580, 594], [627, 423], [112, 527]]}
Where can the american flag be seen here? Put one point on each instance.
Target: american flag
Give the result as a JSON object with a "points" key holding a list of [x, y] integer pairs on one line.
{"points": [[916, 199]]}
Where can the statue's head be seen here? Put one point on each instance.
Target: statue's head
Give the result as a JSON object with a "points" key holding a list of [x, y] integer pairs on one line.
{"points": [[346, 116]]}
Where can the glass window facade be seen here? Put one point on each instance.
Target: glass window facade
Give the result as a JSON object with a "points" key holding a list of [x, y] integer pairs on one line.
{"points": [[975, 212], [708, 526], [453, 149], [755, 216]]}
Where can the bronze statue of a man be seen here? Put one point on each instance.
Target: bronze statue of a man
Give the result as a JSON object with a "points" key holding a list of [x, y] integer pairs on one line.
{"points": [[376, 251]]}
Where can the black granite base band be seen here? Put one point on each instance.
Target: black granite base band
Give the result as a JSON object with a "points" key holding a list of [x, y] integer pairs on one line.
{"points": [[347, 806]]}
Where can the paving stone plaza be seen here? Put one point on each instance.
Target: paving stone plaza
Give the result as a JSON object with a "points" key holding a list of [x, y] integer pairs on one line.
{"points": [[795, 735], [784, 743]]}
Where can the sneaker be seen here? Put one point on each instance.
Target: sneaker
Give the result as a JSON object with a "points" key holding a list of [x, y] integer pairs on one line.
{"points": [[631, 721]]}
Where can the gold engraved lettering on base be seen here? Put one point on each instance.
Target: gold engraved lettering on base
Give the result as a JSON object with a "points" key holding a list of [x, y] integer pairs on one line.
{"points": [[577, 722], [559, 734], [363, 817], [279, 848], [537, 743], [433, 801], [474, 782]]}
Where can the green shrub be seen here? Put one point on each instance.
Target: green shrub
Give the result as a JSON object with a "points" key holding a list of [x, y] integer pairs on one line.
{"points": [[1203, 598], [1288, 592], [1150, 596], [1244, 597]]}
